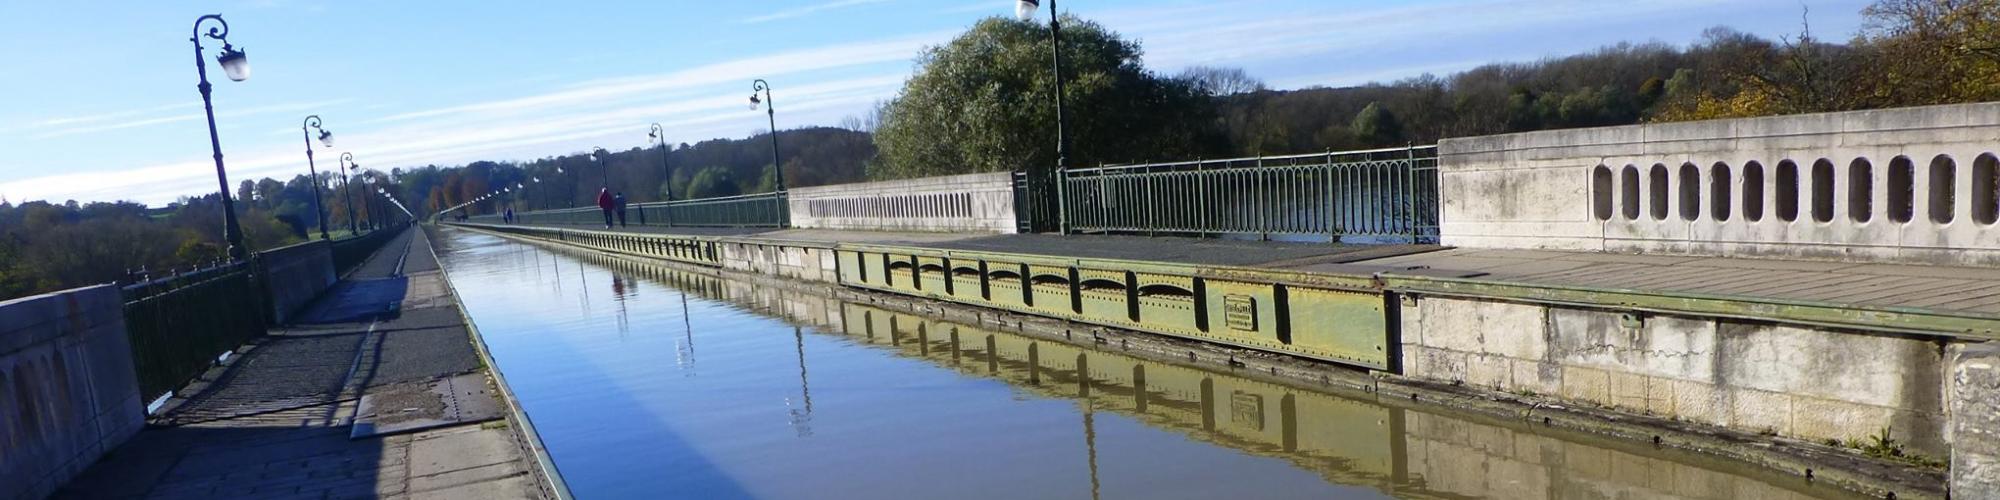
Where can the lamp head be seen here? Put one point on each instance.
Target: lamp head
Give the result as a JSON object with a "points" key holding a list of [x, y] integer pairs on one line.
{"points": [[326, 137], [1025, 10], [754, 101], [235, 63]]}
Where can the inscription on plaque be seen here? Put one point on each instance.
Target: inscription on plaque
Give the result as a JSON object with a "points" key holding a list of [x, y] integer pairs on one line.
{"points": [[1240, 312]]}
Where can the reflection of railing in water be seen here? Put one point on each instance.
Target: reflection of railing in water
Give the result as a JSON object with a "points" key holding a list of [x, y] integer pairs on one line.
{"points": [[1401, 450]]}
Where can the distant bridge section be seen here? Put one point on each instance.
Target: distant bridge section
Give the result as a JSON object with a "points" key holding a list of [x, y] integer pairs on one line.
{"points": [[1908, 184]]}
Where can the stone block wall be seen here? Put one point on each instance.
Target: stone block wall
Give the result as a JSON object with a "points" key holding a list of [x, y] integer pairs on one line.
{"points": [[1757, 377], [295, 275], [951, 203], [1917, 184], [1975, 430], [68, 393]]}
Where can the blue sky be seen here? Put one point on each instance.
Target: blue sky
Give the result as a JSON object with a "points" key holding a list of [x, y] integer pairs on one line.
{"points": [[102, 102]]}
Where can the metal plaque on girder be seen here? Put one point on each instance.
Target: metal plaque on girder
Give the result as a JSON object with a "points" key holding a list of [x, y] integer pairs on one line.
{"points": [[1240, 312]]}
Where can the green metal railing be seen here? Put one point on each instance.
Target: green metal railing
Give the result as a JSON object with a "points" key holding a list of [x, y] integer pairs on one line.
{"points": [[750, 210], [1372, 196], [180, 324]]}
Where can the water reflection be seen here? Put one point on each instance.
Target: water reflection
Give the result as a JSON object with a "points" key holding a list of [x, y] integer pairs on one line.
{"points": [[909, 409]]}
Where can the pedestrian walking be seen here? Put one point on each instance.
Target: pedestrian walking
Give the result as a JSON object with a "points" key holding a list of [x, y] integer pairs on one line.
{"points": [[618, 201], [604, 204], [510, 215]]}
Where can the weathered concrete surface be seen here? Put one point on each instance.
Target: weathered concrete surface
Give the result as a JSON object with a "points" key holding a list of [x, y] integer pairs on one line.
{"points": [[1544, 190], [1789, 381], [295, 275], [1882, 286], [1975, 421], [68, 392], [951, 203], [276, 421]]}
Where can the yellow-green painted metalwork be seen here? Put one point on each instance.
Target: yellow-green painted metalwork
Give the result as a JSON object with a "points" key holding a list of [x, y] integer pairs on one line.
{"points": [[1342, 321]]}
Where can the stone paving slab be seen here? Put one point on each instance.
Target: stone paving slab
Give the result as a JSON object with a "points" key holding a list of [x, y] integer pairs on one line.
{"points": [[415, 406]]}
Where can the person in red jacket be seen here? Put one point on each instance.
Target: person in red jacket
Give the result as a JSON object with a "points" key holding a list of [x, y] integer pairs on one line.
{"points": [[605, 204]]}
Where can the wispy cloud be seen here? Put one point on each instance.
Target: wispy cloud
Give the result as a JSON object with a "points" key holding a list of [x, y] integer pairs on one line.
{"points": [[741, 70], [809, 10], [76, 120], [178, 117]]}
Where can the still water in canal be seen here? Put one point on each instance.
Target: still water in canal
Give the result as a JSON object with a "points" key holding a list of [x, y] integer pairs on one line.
{"points": [[648, 382]]}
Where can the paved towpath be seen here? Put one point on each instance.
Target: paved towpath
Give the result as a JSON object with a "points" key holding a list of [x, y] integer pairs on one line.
{"points": [[1211, 251], [276, 421], [1931, 289]]}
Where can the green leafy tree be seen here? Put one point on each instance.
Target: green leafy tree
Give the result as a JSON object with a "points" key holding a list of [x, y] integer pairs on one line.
{"points": [[1376, 126], [712, 182], [984, 102]]}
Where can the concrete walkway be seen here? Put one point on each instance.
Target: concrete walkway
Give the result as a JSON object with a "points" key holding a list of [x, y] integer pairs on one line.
{"points": [[277, 421], [1935, 289], [1211, 251]]}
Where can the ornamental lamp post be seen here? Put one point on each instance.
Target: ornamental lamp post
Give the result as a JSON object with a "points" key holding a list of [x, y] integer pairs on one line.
{"points": [[666, 171], [1025, 10], [347, 163], [236, 65], [325, 137], [603, 159], [771, 111], [666, 176]]}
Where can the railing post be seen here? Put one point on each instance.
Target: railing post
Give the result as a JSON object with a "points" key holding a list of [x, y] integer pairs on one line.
{"points": [[1062, 200], [1410, 189], [1264, 217], [1201, 197]]}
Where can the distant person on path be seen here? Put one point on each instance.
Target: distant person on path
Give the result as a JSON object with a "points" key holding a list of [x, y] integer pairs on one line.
{"points": [[618, 201], [604, 203], [510, 215]]}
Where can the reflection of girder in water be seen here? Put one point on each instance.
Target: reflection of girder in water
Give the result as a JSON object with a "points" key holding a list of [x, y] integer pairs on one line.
{"points": [[1352, 445]]}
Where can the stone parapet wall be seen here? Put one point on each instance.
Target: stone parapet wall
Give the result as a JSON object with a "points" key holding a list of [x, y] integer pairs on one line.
{"points": [[952, 203], [295, 275], [68, 393], [1915, 184]]}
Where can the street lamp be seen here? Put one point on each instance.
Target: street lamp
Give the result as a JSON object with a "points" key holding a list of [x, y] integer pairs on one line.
{"points": [[347, 163], [368, 181], [667, 182], [325, 137], [770, 110], [666, 176], [603, 159], [235, 64], [1025, 10]]}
